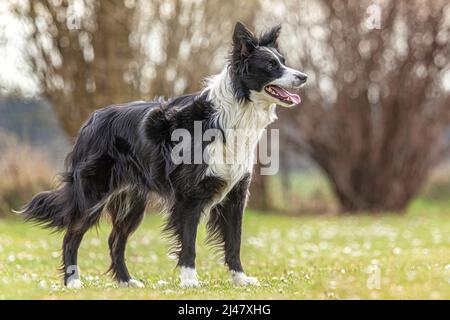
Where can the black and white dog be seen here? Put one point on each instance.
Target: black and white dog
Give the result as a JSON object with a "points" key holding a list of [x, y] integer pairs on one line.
{"points": [[123, 155]]}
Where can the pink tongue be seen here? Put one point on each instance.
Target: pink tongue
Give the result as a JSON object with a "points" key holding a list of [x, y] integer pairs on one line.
{"points": [[295, 98]]}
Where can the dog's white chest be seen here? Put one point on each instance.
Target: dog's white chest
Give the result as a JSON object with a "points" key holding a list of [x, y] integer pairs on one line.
{"points": [[232, 160], [233, 157]]}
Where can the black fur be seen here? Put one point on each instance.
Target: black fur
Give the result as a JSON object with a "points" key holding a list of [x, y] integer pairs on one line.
{"points": [[225, 223], [252, 65], [270, 38], [129, 145]]}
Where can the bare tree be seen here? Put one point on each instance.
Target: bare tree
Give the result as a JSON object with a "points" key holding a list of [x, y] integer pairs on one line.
{"points": [[192, 40], [80, 55], [375, 109]]}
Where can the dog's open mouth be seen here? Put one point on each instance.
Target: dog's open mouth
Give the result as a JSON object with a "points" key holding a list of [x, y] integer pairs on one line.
{"points": [[282, 94]]}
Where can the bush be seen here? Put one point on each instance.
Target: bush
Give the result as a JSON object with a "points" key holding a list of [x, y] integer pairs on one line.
{"points": [[23, 171]]}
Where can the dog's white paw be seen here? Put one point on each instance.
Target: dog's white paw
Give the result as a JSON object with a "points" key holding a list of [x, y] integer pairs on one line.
{"points": [[188, 278], [189, 283], [240, 279], [74, 284], [132, 283]]}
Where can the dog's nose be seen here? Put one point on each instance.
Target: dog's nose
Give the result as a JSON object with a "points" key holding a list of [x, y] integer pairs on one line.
{"points": [[302, 77]]}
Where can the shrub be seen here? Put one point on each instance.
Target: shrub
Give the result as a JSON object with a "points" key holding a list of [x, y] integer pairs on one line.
{"points": [[23, 171]]}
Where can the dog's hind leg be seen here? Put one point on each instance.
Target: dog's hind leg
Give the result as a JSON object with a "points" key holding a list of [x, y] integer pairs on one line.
{"points": [[71, 243], [126, 215]]}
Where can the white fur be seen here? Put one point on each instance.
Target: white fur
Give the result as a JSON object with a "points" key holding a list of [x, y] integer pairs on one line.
{"points": [[246, 120], [288, 78], [74, 283], [132, 283], [289, 74], [240, 279], [188, 277]]}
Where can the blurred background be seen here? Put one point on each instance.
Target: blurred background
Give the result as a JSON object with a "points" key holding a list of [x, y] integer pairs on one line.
{"points": [[372, 133]]}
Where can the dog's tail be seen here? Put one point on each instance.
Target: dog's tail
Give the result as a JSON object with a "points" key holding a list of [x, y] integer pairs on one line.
{"points": [[53, 209]]}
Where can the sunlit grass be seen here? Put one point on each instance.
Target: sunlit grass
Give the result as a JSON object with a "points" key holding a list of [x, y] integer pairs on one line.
{"points": [[294, 258]]}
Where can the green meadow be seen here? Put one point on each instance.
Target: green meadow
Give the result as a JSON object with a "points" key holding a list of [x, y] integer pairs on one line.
{"points": [[384, 256]]}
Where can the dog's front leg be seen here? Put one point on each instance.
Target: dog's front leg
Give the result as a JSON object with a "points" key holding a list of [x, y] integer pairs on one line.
{"points": [[225, 225], [186, 260], [183, 222]]}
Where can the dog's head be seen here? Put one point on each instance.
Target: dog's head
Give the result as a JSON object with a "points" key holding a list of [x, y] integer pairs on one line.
{"points": [[258, 70]]}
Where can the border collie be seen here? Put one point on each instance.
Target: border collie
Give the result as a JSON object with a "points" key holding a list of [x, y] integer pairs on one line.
{"points": [[123, 155]]}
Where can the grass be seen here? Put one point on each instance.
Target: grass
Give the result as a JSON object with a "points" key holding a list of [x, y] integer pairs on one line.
{"points": [[294, 258]]}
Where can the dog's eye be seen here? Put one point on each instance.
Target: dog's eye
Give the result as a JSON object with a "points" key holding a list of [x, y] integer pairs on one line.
{"points": [[272, 65]]}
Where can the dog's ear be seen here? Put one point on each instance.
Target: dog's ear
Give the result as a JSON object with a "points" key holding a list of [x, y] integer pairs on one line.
{"points": [[270, 38], [244, 41]]}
